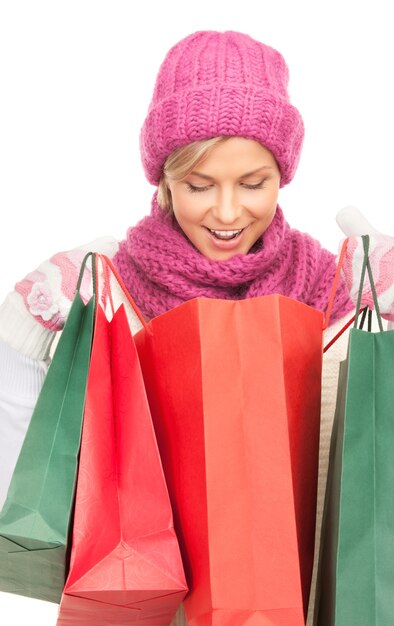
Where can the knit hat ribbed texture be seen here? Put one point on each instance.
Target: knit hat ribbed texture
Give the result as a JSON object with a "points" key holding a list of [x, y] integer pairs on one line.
{"points": [[221, 83]]}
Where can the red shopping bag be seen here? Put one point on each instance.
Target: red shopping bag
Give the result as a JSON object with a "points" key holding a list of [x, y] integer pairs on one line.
{"points": [[125, 560], [234, 391]]}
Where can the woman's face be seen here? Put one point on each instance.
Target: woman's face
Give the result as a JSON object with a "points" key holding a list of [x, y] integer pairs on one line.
{"points": [[229, 199]]}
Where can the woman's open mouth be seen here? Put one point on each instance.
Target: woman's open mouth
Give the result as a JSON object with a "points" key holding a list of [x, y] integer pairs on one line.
{"points": [[225, 239], [225, 235]]}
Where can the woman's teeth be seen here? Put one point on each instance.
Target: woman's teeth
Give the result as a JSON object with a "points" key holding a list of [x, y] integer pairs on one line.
{"points": [[225, 234]]}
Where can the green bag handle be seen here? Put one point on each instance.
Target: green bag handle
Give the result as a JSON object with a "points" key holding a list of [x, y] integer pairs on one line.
{"points": [[367, 267], [82, 271]]}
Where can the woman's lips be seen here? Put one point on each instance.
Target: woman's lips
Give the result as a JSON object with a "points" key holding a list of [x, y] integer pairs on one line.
{"points": [[225, 239]]}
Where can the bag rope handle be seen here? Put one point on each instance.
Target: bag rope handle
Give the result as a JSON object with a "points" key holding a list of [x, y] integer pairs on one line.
{"points": [[106, 292], [367, 266], [109, 266], [335, 285], [363, 310], [82, 271], [345, 327]]}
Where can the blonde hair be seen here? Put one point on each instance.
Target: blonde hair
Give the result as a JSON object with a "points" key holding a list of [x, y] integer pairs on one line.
{"points": [[180, 163]]}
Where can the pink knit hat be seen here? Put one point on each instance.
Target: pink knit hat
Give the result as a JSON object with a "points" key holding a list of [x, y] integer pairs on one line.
{"points": [[221, 83]]}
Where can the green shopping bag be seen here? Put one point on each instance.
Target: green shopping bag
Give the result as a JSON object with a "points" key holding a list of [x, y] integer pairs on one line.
{"points": [[355, 584], [35, 519]]}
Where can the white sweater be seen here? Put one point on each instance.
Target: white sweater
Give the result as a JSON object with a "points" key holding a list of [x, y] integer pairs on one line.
{"points": [[21, 378]]}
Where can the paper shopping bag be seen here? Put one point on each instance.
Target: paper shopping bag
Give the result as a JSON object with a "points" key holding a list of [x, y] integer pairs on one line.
{"points": [[355, 579], [234, 390], [35, 519], [125, 565]]}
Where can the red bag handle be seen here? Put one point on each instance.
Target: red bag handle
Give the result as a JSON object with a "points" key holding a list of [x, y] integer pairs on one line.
{"points": [[335, 285], [107, 286], [333, 340], [332, 298], [108, 267]]}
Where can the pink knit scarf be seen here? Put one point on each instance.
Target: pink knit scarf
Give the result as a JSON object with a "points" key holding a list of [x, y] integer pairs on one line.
{"points": [[162, 269]]}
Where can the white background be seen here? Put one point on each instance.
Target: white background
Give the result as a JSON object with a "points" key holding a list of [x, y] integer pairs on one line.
{"points": [[76, 78]]}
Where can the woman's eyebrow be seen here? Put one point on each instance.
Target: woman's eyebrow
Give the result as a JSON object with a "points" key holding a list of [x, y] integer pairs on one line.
{"points": [[259, 169]]}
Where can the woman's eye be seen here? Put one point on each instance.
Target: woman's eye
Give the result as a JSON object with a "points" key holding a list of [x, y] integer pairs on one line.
{"points": [[192, 188], [259, 185]]}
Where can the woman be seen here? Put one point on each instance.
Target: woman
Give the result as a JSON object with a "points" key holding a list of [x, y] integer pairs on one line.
{"points": [[220, 139]]}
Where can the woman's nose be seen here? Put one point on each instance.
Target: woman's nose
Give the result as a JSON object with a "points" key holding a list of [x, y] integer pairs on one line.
{"points": [[227, 208]]}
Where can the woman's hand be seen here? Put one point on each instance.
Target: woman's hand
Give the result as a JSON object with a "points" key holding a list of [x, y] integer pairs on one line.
{"points": [[48, 291], [381, 256]]}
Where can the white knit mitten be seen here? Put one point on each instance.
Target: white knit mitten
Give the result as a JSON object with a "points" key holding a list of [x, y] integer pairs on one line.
{"points": [[381, 256], [41, 301]]}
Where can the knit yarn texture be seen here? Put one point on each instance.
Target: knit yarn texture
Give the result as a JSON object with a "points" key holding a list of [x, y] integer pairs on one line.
{"points": [[214, 84], [162, 269]]}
